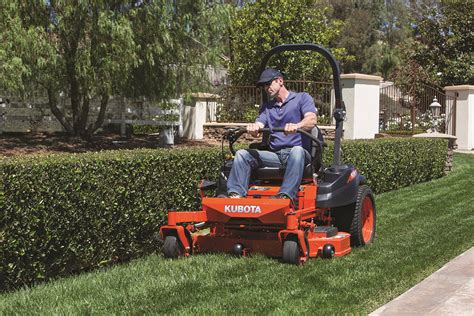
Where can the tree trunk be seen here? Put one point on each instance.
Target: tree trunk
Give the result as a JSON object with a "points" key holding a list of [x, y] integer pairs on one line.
{"points": [[100, 119], [83, 115], [53, 105]]}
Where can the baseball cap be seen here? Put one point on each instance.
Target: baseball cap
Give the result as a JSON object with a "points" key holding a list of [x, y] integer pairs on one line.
{"points": [[268, 75]]}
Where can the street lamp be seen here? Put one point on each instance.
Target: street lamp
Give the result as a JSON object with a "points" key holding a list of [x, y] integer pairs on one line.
{"points": [[435, 111]]}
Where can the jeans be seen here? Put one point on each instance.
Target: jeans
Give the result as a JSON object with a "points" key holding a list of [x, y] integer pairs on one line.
{"points": [[294, 159]]}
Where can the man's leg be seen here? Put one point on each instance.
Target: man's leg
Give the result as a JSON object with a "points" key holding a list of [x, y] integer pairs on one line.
{"points": [[244, 162], [295, 161]]}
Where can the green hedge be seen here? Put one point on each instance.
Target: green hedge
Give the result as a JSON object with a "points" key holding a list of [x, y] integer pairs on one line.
{"points": [[392, 163], [62, 214], [68, 213]]}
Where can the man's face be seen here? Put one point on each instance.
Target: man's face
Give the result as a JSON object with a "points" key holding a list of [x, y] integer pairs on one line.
{"points": [[273, 88]]}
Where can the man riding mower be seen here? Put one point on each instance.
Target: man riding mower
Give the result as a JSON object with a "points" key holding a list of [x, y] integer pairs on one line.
{"points": [[280, 201]]}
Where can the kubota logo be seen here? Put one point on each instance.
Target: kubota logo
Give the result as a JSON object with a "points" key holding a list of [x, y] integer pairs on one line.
{"points": [[242, 209]]}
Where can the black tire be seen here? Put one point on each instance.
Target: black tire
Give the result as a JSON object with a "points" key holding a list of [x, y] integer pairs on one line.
{"points": [[359, 218], [291, 250], [364, 219], [172, 247], [328, 251]]}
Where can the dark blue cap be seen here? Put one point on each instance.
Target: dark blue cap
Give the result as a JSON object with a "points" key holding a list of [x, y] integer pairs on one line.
{"points": [[268, 75]]}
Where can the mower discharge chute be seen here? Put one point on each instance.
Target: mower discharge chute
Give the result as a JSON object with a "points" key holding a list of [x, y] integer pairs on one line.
{"points": [[333, 211]]}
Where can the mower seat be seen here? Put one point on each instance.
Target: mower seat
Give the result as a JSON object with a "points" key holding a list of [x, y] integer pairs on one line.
{"points": [[274, 173]]}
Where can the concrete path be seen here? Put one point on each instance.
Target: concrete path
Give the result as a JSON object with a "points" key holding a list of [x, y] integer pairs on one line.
{"points": [[448, 291], [462, 151]]}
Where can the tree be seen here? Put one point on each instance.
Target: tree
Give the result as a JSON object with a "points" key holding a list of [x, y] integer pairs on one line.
{"points": [[372, 33], [82, 48], [90, 49], [261, 25], [178, 43], [359, 31], [444, 41]]}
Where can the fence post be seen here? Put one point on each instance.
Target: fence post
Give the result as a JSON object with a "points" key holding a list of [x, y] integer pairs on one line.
{"points": [[361, 95], [464, 114], [413, 116], [123, 127], [181, 110]]}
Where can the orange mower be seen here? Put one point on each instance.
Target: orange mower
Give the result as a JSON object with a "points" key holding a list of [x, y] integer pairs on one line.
{"points": [[334, 209]]}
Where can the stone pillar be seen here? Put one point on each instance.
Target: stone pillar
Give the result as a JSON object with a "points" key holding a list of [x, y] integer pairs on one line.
{"points": [[464, 117], [194, 115], [361, 94]]}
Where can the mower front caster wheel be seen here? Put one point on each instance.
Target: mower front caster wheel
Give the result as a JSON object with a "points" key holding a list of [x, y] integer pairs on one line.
{"points": [[328, 251], [172, 248], [291, 251]]}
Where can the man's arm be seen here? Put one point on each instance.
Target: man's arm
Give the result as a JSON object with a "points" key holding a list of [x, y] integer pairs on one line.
{"points": [[307, 123]]}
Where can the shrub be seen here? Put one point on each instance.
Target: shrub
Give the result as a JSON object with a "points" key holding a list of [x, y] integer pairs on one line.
{"points": [[68, 213], [392, 163], [63, 214], [146, 129]]}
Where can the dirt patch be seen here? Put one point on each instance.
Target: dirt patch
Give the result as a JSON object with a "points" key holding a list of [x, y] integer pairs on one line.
{"points": [[26, 144]]}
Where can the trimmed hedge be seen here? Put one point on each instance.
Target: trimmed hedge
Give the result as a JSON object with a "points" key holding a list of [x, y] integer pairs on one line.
{"points": [[68, 213], [392, 163], [62, 214]]}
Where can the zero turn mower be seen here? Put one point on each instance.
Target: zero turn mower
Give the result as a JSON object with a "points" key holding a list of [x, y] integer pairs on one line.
{"points": [[334, 209]]}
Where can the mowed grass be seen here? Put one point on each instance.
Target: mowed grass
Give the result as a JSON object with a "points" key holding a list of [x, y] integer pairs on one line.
{"points": [[420, 228]]}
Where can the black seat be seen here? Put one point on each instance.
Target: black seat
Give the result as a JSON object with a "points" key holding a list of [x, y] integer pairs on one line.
{"points": [[273, 173]]}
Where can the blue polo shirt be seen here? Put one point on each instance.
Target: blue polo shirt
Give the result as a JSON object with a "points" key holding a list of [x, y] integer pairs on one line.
{"points": [[292, 110]]}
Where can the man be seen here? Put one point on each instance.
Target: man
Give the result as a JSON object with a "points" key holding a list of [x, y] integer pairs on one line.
{"points": [[290, 149]]}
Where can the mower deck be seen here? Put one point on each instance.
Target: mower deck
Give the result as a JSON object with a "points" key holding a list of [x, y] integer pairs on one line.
{"points": [[259, 223]]}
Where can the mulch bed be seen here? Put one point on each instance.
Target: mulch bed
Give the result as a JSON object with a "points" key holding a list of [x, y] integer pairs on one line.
{"points": [[43, 143]]}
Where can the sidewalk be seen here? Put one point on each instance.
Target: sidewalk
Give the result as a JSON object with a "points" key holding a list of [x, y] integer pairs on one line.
{"points": [[462, 151], [448, 291]]}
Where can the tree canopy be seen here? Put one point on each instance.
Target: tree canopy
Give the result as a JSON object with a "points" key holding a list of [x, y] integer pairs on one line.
{"points": [[159, 49], [97, 48], [444, 41], [372, 34], [258, 26]]}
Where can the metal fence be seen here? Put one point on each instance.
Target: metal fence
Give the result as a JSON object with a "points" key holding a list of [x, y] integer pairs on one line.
{"points": [[400, 111], [241, 103]]}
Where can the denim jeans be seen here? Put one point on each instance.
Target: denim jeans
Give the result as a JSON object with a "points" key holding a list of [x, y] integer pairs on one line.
{"points": [[294, 159]]}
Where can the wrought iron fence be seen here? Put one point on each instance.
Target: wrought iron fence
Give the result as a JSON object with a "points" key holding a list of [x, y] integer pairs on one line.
{"points": [[241, 103], [402, 112]]}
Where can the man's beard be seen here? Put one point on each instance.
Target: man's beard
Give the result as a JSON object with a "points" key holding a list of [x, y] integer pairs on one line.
{"points": [[272, 96]]}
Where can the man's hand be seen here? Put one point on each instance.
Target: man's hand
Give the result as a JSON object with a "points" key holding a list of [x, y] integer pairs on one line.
{"points": [[253, 128], [308, 122], [291, 128]]}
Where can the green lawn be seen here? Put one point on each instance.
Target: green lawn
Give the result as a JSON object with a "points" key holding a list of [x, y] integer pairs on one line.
{"points": [[420, 228]]}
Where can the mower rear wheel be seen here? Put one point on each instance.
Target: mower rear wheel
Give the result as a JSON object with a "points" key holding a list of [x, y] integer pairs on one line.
{"points": [[291, 250], [363, 221], [172, 248], [358, 218]]}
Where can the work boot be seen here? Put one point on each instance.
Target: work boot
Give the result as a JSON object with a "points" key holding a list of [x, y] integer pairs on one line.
{"points": [[285, 196], [234, 195]]}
